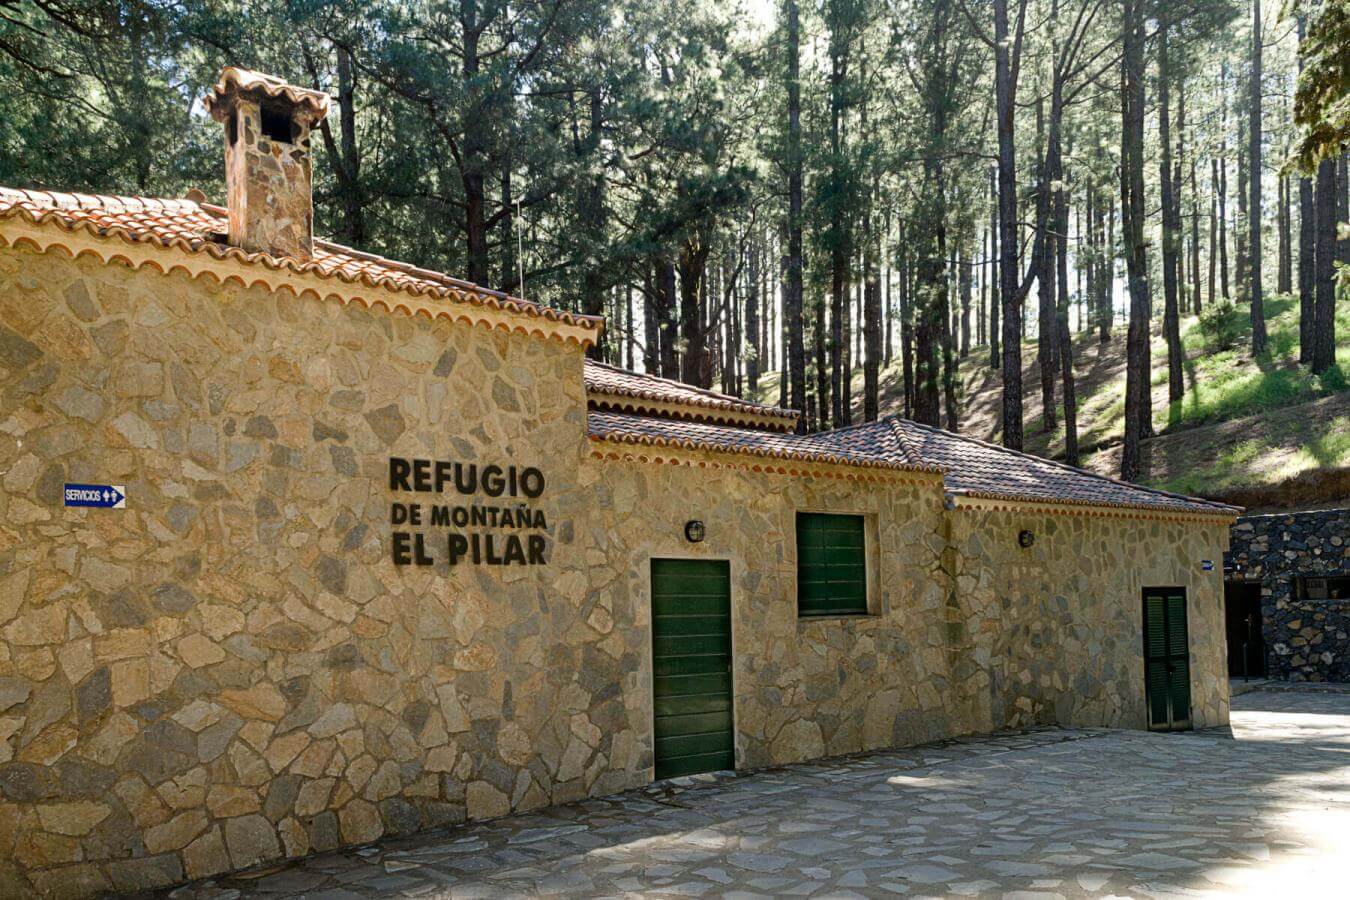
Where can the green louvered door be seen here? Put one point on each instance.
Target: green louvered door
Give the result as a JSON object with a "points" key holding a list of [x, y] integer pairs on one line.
{"points": [[1167, 659], [691, 665]]}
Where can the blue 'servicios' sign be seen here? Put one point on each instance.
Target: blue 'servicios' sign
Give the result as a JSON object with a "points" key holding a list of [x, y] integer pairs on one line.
{"points": [[101, 496]]}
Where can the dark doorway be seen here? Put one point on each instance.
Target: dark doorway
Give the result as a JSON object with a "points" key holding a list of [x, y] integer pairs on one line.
{"points": [[1246, 646], [1167, 660]]}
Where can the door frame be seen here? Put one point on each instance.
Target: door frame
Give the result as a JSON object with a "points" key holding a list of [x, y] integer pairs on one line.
{"points": [[651, 650], [1256, 601], [1144, 595]]}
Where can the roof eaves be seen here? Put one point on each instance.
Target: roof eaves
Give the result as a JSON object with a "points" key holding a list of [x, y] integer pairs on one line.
{"points": [[806, 456], [705, 399], [1202, 509], [781, 453], [471, 295], [601, 401]]}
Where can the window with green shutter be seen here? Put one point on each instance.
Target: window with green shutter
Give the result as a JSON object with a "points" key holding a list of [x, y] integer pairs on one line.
{"points": [[831, 565]]}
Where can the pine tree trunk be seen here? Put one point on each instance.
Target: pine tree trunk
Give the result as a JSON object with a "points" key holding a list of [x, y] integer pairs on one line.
{"points": [[630, 336], [1080, 268], [696, 363], [793, 314], [1178, 164], [1343, 206], [888, 316], [752, 337], [981, 322], [840, 249], [1070, 392], [651, 358], [1195, 239], [1107, 309], [1223, 184], [871, 319], [473, 152], [1005, 91], [1137, 370], [1283, 278], [1213, 225], [736, 334], [931, 325], [1307, 271], [995, 351], [346, 161], [666, 314], [906, 326], [872, 349], [591, 207], [1242, 275], [1324, 334], [1258, 310], [964, 280], [1088, 258], [1046, 337], [1176, 386], [1064, 336]]}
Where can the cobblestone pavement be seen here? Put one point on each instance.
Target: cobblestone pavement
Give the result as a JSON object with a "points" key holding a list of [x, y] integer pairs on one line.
{"points": [[1264, 811]]}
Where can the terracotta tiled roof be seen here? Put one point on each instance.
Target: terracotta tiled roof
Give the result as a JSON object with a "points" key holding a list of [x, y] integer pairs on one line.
{"points": [[199, 228], [237, 82], [874, 445], [620, 390], [979, 469], [969, 467]]}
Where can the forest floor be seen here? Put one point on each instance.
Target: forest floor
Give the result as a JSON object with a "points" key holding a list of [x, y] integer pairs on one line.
{"points": [[1263, 433]]}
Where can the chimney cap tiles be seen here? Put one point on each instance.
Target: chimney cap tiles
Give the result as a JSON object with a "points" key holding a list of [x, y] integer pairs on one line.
{"points": [[237, 84]]}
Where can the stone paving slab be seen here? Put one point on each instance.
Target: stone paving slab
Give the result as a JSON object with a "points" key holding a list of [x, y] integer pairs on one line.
{"points": [[1259, 811]]}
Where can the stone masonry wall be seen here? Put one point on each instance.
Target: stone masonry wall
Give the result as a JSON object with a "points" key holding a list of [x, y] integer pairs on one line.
{"points": [[804, 688], [1059, 626], [969, 632], [1306, 640], [232, 669]]}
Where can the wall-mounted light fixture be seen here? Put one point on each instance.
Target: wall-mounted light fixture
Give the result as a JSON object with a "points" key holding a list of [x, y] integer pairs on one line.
{"points": [[694, 532], [1025, 538]]}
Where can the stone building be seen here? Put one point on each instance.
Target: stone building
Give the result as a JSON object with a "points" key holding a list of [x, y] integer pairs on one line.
{"points": [[300, 547], [1287, 594]]}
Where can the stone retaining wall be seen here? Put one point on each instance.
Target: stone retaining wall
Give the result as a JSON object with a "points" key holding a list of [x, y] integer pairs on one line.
{"points": [[1306, 640]]}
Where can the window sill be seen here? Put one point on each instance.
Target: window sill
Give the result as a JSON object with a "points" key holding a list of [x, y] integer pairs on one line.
{"points": [[838, 617]]}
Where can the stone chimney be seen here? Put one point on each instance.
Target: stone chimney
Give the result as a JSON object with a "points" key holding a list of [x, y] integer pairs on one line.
{"points": [[267, 160]]}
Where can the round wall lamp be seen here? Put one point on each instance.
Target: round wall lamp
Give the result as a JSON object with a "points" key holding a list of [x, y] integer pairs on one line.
{"points": [[1025, 538], [694, 532]]}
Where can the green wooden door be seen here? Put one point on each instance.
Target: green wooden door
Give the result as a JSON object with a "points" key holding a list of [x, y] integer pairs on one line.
{"points": [[1167, 659], [691, 666]]}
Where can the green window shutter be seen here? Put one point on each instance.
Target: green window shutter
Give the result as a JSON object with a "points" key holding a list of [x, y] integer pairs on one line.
{"points": [[831, 565]]}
